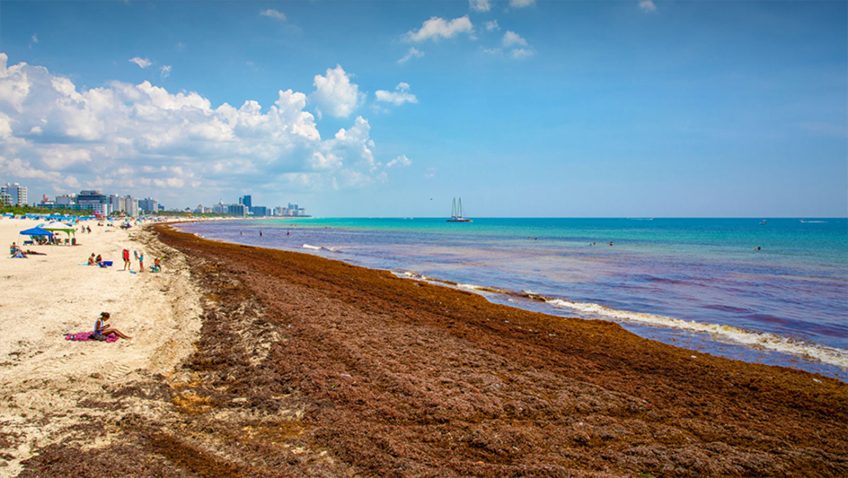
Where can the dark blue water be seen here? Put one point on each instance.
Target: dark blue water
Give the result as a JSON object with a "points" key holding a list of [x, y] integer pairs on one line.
{"points": [[697, 283]]}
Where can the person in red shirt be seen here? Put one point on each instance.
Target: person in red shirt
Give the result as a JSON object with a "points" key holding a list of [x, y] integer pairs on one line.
{"points": [[126, 256]]}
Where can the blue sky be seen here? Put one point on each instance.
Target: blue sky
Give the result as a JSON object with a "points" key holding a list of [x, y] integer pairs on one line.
{"points": [[391, 108]]}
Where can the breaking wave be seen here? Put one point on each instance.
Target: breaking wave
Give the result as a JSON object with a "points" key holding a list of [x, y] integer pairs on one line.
{"points": [[756, 340]]}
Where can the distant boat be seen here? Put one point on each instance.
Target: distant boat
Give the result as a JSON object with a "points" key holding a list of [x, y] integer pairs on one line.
{"points": [[456, 212]]}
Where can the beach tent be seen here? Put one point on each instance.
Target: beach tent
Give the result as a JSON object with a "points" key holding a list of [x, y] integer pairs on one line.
{"points": [[57, 226], [37, 231]]}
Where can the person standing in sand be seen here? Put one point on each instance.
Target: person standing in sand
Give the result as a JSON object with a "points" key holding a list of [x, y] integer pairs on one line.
{"points": [[102, 328], [141, 261], [126, 256]]}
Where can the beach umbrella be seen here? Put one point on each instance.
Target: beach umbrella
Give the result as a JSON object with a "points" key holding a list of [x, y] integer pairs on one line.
{"points": [[37, 231]]}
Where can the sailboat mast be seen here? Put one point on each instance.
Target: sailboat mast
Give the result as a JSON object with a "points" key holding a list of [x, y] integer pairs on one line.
{"points": [[459, 212]]}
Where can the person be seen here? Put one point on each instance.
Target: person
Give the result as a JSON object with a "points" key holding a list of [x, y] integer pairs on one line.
{"points": [[98, 259], [126, 255], [141, 261], [157, 265], [102, 328], [91, 259], [13, 248]]}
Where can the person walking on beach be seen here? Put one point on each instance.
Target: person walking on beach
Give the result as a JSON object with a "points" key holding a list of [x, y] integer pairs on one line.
{"points": [[102, 329], [126, 255], [141, 261]]}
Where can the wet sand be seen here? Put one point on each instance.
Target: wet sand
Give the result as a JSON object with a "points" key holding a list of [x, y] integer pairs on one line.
{"points": [[312, 367]]}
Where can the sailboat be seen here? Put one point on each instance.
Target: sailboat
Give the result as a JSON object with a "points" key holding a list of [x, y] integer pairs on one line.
{"points": [[456, 212]]}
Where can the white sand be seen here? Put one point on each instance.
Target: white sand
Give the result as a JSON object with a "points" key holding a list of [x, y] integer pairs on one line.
{"points": [[43, 377]]}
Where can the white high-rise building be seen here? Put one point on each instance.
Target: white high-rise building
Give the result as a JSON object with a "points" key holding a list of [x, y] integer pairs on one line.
{"points": [[17, 194]]}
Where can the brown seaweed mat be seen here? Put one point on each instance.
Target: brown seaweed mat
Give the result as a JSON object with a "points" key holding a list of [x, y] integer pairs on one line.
{"points": [[312, 367]]}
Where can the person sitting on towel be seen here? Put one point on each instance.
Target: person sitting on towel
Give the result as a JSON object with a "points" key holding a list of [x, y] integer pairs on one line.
{"points": [[102, 329]]}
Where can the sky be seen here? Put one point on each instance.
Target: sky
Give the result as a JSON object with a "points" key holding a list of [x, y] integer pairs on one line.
{"points": [[630, 108]]}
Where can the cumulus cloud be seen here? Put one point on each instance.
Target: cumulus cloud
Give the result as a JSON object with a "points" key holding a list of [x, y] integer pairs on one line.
{"points": [[514, 45], [492, 25], [141, 62], [335, 94], [142, 138], [521, 3], [272, 13], [399, 162], [165, 71], [397, 97], [511, 39], [437, 28], [647, 5], [410, 54], [479, 5]]}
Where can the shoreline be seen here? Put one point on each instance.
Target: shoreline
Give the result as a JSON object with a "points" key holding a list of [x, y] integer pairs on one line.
{"points": [[309, 366], [715, 337]]}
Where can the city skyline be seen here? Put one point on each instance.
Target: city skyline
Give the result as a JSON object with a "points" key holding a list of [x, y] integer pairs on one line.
{"points": [[567, 109]]}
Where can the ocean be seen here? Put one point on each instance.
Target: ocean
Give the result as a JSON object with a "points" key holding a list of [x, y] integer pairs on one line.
{"points": [[773, 292]]}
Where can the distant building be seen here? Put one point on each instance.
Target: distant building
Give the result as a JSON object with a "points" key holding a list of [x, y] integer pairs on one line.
{"points": [[259, 210], [148, 205], [246, 200], [13, 194], [66, 200], [220, 208], [237, 209]]}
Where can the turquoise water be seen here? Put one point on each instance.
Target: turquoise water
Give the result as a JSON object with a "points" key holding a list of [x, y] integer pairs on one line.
{"points": [[697, 283]]}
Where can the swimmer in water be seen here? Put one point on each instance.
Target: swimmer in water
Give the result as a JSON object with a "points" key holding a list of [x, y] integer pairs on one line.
{"points": [[610, 243]]}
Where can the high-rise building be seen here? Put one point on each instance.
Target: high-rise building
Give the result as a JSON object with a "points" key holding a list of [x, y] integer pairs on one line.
{"points": [[148, 205], [247, 200], [237, 209], [92, 199], [17, 194]]}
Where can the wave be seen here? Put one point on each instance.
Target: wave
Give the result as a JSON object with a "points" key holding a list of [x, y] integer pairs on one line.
{"points": [[803, 221], [320, 248], [756, 340]]}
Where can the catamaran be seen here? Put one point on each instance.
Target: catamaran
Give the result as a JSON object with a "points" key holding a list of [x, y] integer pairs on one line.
{"points": [[456, 212]]}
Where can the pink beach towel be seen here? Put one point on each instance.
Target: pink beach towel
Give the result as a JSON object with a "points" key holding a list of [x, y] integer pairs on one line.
{"points": [[86, 336]]}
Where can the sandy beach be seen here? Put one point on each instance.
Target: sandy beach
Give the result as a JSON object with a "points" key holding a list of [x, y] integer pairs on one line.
{"points": [[49, 386], [305, 366]]}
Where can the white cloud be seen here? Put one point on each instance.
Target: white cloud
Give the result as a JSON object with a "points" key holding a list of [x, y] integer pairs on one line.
{"points": [[399, 162], [492, 25], [272, 13], [436, 28], [335, 94], [397, 97], [143, 139], [511, 39], [410, 54], [647, 5], [141, 62], [514, 45], [34, 39], [519, 53], [165, 71], [480, 5], [521, 3]]}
